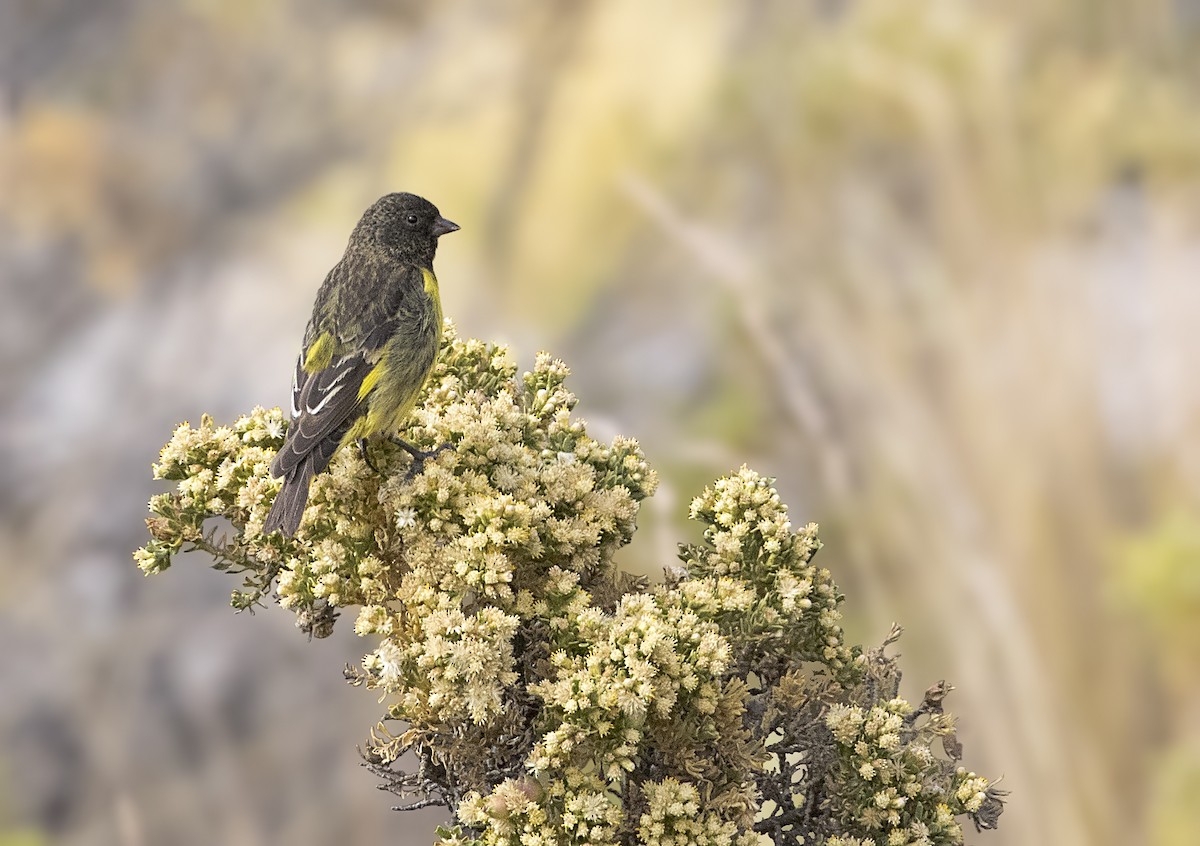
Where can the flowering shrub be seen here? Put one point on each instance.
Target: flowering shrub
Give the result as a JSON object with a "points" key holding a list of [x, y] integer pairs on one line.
{"points": [[547, 697]]}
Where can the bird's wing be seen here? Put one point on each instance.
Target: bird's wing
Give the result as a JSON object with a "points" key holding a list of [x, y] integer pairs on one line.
{"points": [[326, 400], [323, 406]]}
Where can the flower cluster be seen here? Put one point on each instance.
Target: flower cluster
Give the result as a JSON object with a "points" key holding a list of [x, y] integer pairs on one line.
{"points": [[524, 496], [223, 471], [619, 685], [220, 470], [893, 788], [545, 697], [574, 810], [644, 661], [674, 817], [524, 486], [755, 575], [457, 668]]}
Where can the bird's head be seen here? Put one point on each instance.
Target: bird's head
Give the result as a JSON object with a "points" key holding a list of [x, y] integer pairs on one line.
{"points": [[404, 223]]}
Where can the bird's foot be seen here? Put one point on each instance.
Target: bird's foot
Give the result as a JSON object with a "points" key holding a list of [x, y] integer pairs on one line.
{"points": [[419, 457], [362, 450]]}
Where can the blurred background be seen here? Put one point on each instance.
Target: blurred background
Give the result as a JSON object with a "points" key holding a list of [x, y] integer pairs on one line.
{"points": [[932, 263]]}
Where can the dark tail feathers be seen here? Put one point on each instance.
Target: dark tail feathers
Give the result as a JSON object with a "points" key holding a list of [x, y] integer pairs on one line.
{"points": [[289, 503]]}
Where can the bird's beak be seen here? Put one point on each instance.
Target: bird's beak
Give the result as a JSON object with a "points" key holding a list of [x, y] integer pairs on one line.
{"points": [[441, 227]]}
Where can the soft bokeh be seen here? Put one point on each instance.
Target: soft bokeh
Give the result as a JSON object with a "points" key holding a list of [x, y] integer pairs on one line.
{"points": [[935, 264]]}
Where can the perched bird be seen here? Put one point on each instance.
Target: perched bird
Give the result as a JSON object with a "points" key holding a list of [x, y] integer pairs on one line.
{"points": [[373, 338]]}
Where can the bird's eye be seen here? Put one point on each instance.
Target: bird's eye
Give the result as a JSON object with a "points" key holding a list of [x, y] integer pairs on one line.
{"points": [[411, 220]]}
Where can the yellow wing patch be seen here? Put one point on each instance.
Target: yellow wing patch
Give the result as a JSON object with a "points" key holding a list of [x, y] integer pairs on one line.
{"points": [[371, 378], [320, 354]]}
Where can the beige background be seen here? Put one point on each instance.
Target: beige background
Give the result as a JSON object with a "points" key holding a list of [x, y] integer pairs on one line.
{"points": [[934, 264]]}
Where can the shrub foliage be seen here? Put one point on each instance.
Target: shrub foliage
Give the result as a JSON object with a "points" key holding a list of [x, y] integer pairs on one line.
{"points": [[537, 691]]}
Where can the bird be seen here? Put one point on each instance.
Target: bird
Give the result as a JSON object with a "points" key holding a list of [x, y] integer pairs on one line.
{"points": [[369, 346]]}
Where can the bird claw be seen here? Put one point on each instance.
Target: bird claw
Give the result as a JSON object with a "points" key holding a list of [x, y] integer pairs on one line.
{"points": [[362, 450], [420, 457]]}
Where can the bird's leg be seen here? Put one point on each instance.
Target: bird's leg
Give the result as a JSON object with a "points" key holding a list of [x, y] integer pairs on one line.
{"points": [[419, 457], [362, 450]]}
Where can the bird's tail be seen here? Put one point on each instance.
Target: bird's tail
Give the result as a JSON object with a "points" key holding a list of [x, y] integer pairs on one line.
{"points": [[290, 501]]}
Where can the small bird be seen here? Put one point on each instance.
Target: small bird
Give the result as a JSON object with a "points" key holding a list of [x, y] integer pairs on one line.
{"points": [[373, 338]]}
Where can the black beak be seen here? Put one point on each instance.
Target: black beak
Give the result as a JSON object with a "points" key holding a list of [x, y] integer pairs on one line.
{"points": [[441, 227]]}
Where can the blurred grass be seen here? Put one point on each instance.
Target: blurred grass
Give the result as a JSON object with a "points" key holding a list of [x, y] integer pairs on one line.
{"points": [[929, 262]]}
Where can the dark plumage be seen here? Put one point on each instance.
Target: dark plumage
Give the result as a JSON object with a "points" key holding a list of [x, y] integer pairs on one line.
{"points": [[369, 346]]}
